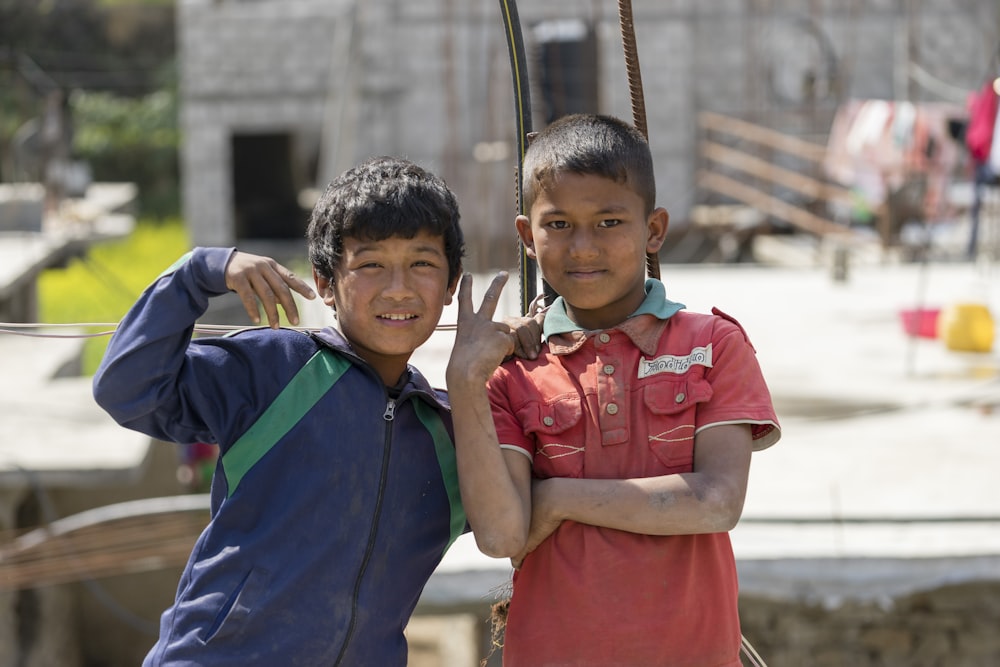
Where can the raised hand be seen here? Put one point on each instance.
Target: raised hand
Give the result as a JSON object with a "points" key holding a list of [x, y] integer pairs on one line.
{"points": [[480, 343], [261, 280]]}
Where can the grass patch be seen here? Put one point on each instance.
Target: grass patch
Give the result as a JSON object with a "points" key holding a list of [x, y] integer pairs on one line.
{"points": [[104, 284]]}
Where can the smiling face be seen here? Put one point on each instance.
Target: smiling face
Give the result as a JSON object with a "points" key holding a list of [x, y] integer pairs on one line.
{"points": [[389, 296], [590, 236]]}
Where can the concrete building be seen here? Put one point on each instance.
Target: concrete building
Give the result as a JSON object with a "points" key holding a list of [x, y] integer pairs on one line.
{"points": [[278, 96], [869, 536]]}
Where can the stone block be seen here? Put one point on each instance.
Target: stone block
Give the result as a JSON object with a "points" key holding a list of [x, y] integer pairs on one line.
{"points": [[21, 207]]}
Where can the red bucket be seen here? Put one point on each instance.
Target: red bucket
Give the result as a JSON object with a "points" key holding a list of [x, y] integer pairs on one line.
{"points": [[920, 322]]}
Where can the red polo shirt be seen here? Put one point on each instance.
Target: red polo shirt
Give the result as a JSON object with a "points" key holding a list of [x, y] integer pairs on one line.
{"points": [[616, 404]]}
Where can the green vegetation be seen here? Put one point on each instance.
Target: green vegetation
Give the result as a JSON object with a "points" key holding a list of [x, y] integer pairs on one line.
{"points": [[114, 63], [131, 139], [102, 285]]}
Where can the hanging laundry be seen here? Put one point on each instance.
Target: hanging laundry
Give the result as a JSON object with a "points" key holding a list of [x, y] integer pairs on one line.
{"points": [[878, 147], [982, 110]]}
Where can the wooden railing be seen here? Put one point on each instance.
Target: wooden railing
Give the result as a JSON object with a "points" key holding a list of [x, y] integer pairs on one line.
{"points": [[730, 150]]}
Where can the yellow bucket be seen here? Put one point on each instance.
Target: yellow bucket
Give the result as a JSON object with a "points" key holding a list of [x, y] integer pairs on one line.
{"points": [[966, 327]]}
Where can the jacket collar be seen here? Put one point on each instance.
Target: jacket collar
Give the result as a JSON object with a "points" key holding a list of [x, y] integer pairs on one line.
{"points": [[333, 339]]}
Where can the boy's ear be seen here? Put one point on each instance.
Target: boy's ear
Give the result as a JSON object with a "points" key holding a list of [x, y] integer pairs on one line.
{"points": [[454, 286], [324, 287], [657, 224], [524, 232]]}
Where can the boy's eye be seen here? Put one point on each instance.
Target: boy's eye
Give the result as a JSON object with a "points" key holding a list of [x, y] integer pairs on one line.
{"points": [[610, 222], [557, 224]]}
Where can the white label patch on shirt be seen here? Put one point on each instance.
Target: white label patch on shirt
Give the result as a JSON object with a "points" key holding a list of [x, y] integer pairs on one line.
{"points": [[668, 363]]}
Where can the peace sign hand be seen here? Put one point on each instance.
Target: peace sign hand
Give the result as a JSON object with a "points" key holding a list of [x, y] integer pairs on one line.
{"points": [[480, 343]]}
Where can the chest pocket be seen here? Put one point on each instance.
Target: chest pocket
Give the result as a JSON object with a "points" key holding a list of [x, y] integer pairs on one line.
{"points": [[559, 436], [672, 408]]}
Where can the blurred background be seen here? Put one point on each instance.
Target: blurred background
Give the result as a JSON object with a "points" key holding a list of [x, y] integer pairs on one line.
{"points": [[827, 167]]}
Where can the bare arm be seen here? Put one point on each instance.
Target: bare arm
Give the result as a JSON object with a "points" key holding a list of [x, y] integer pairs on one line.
{"points": [[707, 500], [495, 484]]}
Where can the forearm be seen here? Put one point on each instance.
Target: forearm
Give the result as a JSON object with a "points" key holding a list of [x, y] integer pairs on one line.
{"points": [[495, 486], [670, 505], [708, 499]]}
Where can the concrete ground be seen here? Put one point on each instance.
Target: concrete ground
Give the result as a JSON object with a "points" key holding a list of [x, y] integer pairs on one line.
{"points": [[885, 478]]}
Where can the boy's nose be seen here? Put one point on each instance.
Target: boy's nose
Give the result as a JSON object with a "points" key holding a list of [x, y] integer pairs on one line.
{"points": [[582, 244], [398, 284]]}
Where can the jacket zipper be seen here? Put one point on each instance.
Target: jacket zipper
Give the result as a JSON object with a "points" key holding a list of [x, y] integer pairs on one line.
{"points": [[388, 416]]}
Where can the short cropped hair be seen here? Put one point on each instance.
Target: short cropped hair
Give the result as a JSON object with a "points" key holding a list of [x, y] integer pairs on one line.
{"points": [[589, 144], [381, 198]]}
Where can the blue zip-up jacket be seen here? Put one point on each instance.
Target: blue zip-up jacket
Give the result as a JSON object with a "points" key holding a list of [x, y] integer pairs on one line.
{"points": [[331, 505]]}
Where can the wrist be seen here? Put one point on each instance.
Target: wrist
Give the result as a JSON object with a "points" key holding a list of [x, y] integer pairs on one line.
{"points": [[464, 379], [546, 497]]}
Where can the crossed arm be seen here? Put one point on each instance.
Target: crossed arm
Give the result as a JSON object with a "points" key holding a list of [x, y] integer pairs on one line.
{"points": [[511, 514]]}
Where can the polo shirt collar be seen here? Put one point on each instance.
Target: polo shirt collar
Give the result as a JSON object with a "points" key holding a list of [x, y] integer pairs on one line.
{"points": [[643, 326]]}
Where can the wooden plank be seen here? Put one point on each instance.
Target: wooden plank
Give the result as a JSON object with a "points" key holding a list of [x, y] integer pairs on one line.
{"points": [[771, 205], [758, 168], [741, 129]]}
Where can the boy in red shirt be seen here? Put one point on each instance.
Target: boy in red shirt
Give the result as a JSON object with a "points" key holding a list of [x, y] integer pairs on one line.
{"points": [[610, 468]]}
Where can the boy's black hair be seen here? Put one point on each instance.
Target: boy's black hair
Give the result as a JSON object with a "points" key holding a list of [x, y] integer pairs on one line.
{"points": [[589, 144], [378, 199]]}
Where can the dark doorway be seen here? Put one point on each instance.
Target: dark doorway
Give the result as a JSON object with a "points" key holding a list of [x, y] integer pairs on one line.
{"points": [[265, 193], [567, 68]]}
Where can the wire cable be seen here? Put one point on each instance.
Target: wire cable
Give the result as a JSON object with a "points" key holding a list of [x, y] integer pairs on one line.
{"points": [[108, 328]]}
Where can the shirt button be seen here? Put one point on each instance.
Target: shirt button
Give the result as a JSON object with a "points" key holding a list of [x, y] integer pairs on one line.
{"points": [[604, 337], [679, 398], [609, 369], [548, 421], [612, 409]]}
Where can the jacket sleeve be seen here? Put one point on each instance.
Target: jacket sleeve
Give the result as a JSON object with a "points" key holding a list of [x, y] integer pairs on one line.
{"points": [[152, 379]]}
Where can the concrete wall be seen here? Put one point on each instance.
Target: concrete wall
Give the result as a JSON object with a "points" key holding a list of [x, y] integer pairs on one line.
{"points": [[943, 626], [953, 626], [430, 79]]}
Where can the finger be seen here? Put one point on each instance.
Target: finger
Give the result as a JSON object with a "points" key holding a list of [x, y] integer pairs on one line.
{"points": [[244, 290], [287, 300], [267, 299], [492, 296], [299, 285], [527, 339], [465, 295], [509, 338], [536, 305], [279, 282]]}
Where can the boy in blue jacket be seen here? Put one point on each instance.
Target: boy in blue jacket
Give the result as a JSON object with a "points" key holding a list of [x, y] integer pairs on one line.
{"points": [[335, 496]]}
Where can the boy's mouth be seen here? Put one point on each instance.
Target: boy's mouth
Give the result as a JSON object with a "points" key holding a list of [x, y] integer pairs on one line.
{"points": [[397, 317]]}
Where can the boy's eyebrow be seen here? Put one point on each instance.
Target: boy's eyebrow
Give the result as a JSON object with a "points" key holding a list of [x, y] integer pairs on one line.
{"points": [[374, 246], [604, 210]]}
